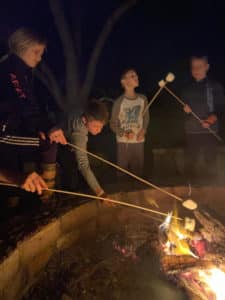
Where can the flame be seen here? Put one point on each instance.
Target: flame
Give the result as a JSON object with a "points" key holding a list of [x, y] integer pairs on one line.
{"points": [[177, 236], [214, 278]]}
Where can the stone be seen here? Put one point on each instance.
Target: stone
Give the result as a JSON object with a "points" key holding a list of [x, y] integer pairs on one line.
{"points": [[78, 216], [31, 247], [8, 268], [68, 239], [39, 262], [89, 229], [15, 286]]}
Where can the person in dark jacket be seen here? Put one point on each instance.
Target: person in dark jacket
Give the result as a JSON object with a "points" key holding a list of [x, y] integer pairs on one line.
{"points": [[26, 134], [204, 97]]}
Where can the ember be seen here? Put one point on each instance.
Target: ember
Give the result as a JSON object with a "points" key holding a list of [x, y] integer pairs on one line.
{"points": [[214, 279]]}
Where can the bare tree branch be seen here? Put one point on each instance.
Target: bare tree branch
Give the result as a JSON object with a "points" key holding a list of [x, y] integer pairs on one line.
{"points": [[99, 46], [76, 27], [72, 76]]}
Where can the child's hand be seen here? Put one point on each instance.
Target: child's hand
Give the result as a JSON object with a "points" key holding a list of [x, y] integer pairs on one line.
{"points": [[57, 136], [107, 203], [205, 124], [212, 119], [34, 183], [129, 134], [140, 135], [42, 135], [187, 109]]}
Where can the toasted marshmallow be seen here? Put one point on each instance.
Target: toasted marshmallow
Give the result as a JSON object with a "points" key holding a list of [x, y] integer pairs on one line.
{"points": [[170, 77], [190, 204], [162, 83]]}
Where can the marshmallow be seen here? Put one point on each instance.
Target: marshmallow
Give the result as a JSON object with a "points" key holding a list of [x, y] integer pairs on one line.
{"points": [[190, 204], [162, 83], [170, 77]]}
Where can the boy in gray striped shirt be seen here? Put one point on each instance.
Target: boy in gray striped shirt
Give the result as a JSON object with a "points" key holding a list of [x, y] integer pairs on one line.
{"points": [[91, 121]]}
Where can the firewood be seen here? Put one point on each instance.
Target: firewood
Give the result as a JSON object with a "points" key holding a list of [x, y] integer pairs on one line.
{"points": [[212, 230], [177, 263]]}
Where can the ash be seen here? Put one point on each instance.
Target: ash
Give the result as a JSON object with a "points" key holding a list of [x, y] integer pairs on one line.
{"points": [[122, 263]]}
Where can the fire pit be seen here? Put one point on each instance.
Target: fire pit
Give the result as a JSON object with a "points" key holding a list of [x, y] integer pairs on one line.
{"points": [[120, 263], [94, 252]]}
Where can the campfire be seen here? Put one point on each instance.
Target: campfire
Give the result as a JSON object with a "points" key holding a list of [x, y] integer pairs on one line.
{"points": [[194, 257]]}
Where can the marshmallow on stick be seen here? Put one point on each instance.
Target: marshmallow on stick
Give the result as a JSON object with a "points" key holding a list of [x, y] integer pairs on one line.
{"points": [[170, 77]]}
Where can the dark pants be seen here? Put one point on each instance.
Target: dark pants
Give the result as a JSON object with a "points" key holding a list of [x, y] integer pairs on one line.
{"points": [[130, 156], [200, 155], [23, 159], [14, 157], [69, 174]]}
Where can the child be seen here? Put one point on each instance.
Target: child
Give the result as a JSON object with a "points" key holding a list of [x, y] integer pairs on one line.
{"points": [[26, 133], [205, 97], [130, 124], [91, 121]]}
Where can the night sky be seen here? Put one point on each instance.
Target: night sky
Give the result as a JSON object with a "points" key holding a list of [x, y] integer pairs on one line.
{"points": [[153, 37]]}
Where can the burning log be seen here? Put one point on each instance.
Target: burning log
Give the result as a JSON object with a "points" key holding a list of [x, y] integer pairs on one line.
{"points": [[172, 264], [213, 230], [204, 274]]}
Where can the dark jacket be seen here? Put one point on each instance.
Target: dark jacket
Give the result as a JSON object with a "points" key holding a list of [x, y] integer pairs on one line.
{"points": [[20, 112], [205, 97]]}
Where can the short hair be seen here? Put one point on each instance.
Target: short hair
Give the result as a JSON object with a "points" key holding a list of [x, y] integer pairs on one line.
{"points": [[124, 73], [21, 39], [96, 111], [202, 57]]}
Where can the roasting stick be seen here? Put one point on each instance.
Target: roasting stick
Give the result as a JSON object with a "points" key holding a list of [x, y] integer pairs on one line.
{"points": [[135, 176], [193, 113], [153, 99], [169, 78], [96, 198]]}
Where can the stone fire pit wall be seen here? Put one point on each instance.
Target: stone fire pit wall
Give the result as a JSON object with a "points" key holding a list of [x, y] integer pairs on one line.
{"points": [[20, 269]]}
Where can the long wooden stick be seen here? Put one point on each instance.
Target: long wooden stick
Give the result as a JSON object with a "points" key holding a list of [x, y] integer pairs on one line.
{"points": [[152, 100], [96, 198], [126, 172], [194, 114]]}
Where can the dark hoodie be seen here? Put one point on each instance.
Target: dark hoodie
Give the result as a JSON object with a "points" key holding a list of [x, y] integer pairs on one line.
{"points": [[20, 113], [205, 97]]}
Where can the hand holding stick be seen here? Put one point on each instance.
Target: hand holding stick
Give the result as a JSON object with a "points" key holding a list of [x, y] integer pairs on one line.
{"points": [[103, 198], [193, 114], [187, 203]]}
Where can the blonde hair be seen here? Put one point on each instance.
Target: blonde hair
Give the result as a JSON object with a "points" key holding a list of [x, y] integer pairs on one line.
{"points": [[23, 38]]}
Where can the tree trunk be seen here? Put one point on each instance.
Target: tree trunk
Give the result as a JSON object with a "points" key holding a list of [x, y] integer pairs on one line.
{"points": [[75, 95], [72, 72], [99, 46], [46, 76]]}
